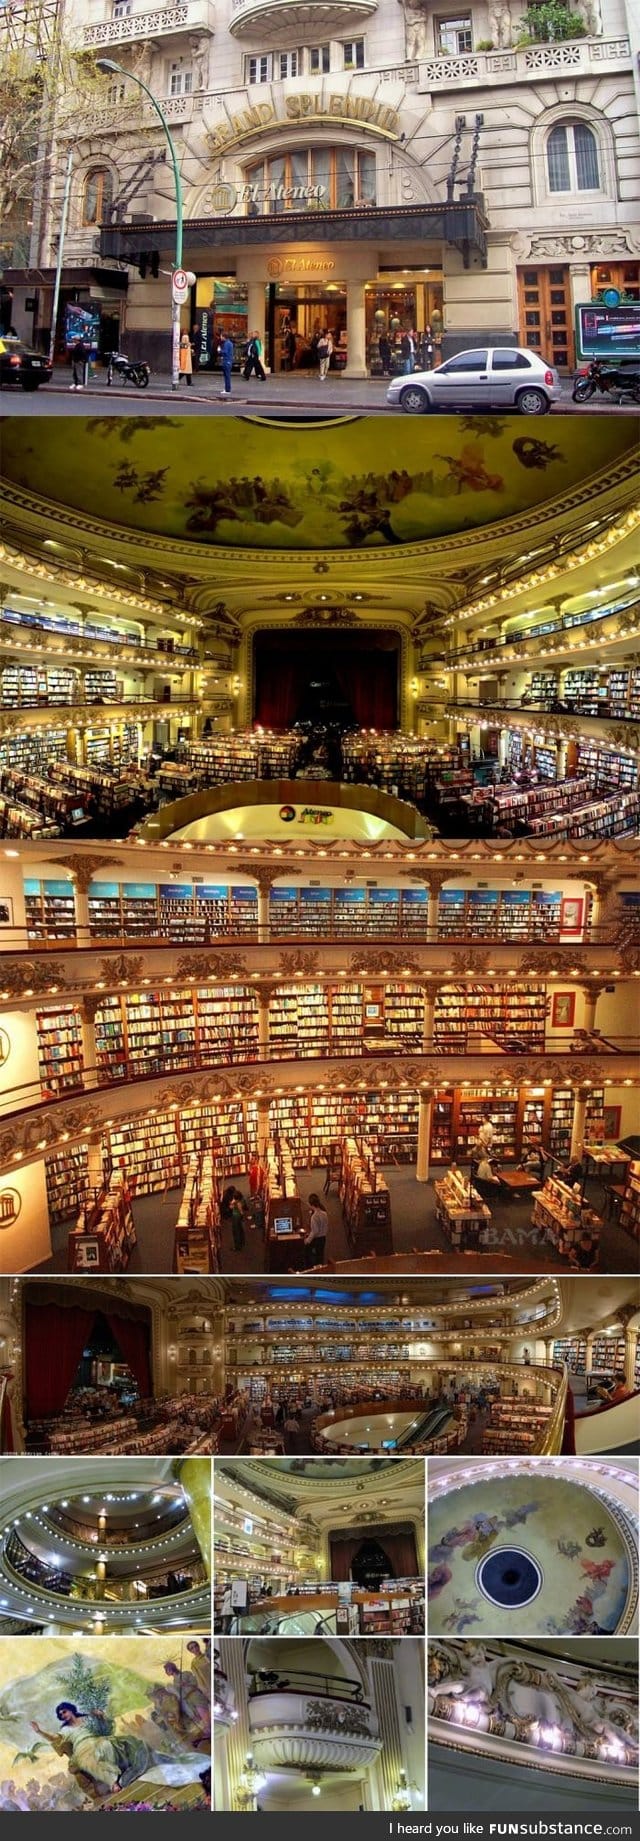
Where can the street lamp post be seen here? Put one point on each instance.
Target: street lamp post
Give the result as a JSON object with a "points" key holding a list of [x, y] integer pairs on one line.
{"points": [[109, 66]]}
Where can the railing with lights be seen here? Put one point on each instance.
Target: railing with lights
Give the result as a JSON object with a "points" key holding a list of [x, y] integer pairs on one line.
{"points": [[552, 1714]]}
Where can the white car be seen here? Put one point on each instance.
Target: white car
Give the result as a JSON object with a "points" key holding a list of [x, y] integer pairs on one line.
{"points": [[491, 377]]}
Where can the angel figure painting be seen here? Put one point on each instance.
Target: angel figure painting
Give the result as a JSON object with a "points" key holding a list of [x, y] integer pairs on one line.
{"points": [[119, 1723]]}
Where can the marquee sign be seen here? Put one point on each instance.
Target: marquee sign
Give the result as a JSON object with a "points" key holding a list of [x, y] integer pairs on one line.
{"points": [[338, 110]]}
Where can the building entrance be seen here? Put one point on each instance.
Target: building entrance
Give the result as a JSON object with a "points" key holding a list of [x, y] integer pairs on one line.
{"points": [[297, 313], [546, 324]]}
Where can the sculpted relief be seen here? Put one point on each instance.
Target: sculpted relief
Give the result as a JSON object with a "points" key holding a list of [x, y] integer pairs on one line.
{"points": [[481, 1686]]}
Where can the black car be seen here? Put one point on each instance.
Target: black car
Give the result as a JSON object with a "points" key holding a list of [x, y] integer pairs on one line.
{"points": [[20, 364]]}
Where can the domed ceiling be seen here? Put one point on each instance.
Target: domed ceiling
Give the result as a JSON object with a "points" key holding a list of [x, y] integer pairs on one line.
{"points": [[530, 1555], [362, 485]]}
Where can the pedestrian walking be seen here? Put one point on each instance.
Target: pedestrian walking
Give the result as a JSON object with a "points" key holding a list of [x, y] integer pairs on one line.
{"points": [[237, 1222], [253, 360], [325, 352], [80, 355], [226, 354], [185, 359]]}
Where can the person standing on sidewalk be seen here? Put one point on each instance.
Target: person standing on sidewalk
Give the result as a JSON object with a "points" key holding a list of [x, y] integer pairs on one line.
{"points": [[185, 362], [80, 355], [226, 354], [325, 352]]}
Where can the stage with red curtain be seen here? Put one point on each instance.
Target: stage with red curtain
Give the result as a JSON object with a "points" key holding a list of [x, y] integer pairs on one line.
{"points": [[304, 675], [398, 1542], [56, 1335]]}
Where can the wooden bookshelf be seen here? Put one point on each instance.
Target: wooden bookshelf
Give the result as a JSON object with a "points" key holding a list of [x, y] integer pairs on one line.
{"points": [[60, 1049]]}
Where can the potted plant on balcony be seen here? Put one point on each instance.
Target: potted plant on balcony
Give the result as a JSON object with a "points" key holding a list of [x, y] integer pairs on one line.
{"points": [[550, 21]]}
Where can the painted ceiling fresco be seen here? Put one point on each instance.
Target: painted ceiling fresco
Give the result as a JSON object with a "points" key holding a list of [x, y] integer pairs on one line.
{"points": [[361, 485], [532, 1556], [107, 1723]]}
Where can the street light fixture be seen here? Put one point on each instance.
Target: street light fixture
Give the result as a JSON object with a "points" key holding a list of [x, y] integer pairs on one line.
{"points": [[111, 68]]}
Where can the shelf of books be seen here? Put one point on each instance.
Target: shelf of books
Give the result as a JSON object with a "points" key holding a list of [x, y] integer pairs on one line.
{"points": [[154, 1154], [562, 1107], [60, 1050], [50, 909], [67, 1176], [149, 1031], [185, 914], [543, 689], [630, 1209], [299, 1021], [607, 769], [244, 755], [608, 1356], [571, 1350], [512, 1016], [347, 1005]]}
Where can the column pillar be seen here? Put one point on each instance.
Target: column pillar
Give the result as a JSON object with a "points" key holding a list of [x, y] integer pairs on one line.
{"points": [[194, 1478], [630, 1350], [88, 1008], [263, 878], [263, 994], [425, 1106], [263, 1125], [549, 1347], [256, 300], [591, 994], [580, 1097], [356, 331], [588, 1366], [561, 760], [81, 894], [428, 1017]]}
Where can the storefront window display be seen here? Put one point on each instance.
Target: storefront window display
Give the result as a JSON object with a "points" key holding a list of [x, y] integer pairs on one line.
{"points": [[219, 306], [393, 307]]}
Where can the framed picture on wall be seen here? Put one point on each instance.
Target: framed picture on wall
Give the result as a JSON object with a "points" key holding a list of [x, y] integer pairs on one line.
{"points": [[563, 1009], [6, 911], [571, 912], [612, 1117]]}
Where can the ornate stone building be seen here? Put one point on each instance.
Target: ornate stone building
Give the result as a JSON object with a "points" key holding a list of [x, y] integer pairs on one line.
{"points": [[398, 165]]}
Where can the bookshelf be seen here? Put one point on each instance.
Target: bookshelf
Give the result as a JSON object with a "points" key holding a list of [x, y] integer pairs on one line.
{"points": [[366, 1203], [147, 1156], [60, 1049], [104, 1235], [347, 1003], [111, 1044], [226, 1023], [607, 769], [543, 689], [184, 914], [299, 1021], [403, 1012], [562, 1106], [546, 760], [561, 1216], [244, 755], [571, 1350], [474, 1108], [67, 1177], [608, 1356], [630, 1209], [509, 1015], [50, 909]]}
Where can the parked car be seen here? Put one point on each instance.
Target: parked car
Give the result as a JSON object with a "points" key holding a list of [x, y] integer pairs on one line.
{"points": [[20, 364], [493, 377]]}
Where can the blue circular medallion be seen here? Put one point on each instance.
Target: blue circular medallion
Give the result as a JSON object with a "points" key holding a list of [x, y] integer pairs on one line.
{"points": [[509, 1577]]}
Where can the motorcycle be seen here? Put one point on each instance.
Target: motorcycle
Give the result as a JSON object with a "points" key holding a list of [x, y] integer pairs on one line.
{"points": [[605, 380], [128, 370]]}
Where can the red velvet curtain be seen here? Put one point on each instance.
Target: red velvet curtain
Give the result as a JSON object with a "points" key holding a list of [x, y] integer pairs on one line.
{"points": [[400, 1547], [364, 669], [55, 1337], [133, 1342]]}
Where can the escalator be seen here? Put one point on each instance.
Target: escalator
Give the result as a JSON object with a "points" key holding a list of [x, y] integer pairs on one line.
{"points": [[427, 1426]]}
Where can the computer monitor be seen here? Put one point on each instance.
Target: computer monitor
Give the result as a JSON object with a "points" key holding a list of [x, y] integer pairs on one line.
{"points": [[282, 1225]]}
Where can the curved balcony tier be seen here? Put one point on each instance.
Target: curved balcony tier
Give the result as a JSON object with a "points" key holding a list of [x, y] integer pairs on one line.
{"points": [[309, 1724], [279, 18]]}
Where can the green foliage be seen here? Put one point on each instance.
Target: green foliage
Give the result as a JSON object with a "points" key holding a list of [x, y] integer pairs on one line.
{"points": [[550, 20], [85, 1686], [485, 44]]}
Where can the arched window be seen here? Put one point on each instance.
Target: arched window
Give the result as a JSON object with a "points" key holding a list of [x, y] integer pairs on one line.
{"points": [[572, 158], [312, 178], [97, 197]]}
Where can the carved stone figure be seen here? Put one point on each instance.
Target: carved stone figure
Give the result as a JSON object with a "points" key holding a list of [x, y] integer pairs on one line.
{"points": [[416, 26], [500, 23], [592, 17]]}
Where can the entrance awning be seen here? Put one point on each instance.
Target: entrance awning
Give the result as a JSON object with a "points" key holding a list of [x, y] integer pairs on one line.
{"points": [[463, 225]]}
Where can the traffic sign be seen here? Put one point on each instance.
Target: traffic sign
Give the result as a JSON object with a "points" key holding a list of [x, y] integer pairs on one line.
{"points": [[180, 284]]}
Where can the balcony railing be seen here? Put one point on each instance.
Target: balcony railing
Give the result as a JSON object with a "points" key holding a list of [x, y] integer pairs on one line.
{"points": [[165, 22], [484, 69]]}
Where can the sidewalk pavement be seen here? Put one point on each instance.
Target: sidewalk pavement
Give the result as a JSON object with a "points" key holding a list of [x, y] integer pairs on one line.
{"points": [[292, 393]]}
